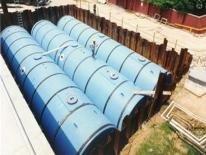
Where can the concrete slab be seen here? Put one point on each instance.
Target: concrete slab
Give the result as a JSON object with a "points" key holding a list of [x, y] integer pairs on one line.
{"points": [[198, 75], [195, 88], [188, 100], [20, 133]]}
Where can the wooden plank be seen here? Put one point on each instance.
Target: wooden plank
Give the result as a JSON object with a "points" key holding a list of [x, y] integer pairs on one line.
{"points": [[132, 43], [134, 125], [116, 143], [110, 29], [182, 59], [175, 68], [128, 35], [128, 123], [86, 16], [158, 93], [137, 39], [104, 28], [82, 15], [122, 35], [6, 14], [66, 10], [45, 13], [89, 19], [154, 52], [147, 49], [139, 45], [99, 23], [114, 32], [162, 53], [188, 61]]}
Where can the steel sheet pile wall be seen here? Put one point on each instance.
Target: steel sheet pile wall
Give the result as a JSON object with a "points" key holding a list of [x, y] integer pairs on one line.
{"points": [[136, 68], [72, 124], [178, 64], [117, 97]]}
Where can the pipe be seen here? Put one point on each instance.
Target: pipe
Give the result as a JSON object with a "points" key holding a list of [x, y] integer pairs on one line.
{"points": [[135, 67], [70, 121], [110, 91]]}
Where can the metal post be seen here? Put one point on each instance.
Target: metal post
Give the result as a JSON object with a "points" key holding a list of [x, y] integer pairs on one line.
{"points": [[4, 6], [110, 15], [5, 11], [94, 9], [136, 27], [51, 51], [175, 44], [88, 6], [97, 10], [142, 3], [154, 37], [122, 21], [80, 3]]}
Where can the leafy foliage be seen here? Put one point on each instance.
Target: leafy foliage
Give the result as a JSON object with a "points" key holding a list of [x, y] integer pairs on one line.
{"points": [[197, 7]]}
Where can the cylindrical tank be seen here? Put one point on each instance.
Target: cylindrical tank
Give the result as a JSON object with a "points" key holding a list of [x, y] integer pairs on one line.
{"points": [[69, 120], [110, 91], [135, 67]]}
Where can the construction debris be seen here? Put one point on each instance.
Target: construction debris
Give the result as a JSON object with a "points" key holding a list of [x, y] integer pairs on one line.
{"points": [[195, 88], [198, 75], [189, 127]]}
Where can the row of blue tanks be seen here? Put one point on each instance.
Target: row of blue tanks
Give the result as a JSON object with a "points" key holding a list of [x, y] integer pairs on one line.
{"points": [[79, 83]]}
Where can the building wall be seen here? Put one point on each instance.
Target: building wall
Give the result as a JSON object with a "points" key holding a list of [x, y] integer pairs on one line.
{"points": [[173, 16]]}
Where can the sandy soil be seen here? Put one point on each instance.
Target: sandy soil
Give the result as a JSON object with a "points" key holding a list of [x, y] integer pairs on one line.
{"points": [[148, 27], [139, 137]]}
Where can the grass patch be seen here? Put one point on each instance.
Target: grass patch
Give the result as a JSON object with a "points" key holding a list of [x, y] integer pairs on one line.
{"points": [[163, 141], [199, 132], [191, 150]]}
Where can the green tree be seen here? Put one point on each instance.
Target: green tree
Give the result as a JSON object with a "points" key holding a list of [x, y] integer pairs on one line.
{"points": [[197, 7]]}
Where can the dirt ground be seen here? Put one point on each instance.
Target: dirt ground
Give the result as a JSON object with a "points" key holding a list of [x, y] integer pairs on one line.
{"points": [[136, 140], [182, 97], [155, 139]]}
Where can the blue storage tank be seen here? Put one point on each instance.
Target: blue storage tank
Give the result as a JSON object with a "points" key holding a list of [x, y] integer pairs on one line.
{"points": [[135, 67], [69, 120], [111, 92]]}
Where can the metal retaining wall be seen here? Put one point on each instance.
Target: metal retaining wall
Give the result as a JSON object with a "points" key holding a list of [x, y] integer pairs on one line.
{"points": [[113, 94], [63, 111], [138, 69], [177, 62]]}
